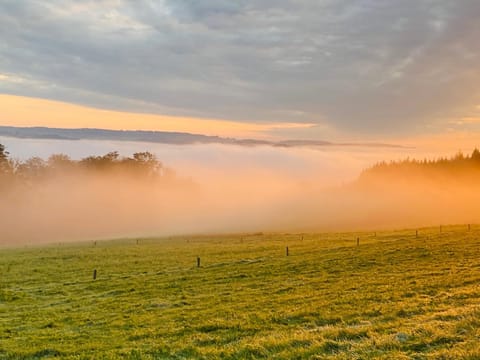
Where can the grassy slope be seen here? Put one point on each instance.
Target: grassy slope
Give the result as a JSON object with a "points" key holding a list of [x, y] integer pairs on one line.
{"points": [[394, 296]]}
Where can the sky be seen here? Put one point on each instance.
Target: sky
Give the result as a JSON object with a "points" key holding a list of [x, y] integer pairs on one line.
{"points": [[319, 69]]}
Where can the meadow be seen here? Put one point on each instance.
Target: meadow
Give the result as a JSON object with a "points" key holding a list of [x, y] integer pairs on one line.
{"points": [[395, 295]]}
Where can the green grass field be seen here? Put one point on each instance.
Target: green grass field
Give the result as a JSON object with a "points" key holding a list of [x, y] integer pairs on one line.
{"points": [[394, 296]]}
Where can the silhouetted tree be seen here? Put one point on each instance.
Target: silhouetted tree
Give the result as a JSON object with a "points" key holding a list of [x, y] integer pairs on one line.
{"points": [[141, 164], [148, 162], [3, 154], [101, 162], [5, 164], [6, 169], [59, 161], [475, 155], [440, 166], [32, 169]]}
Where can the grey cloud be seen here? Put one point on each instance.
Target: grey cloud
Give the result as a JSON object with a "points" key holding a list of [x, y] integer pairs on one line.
{"points": [[359, 65], [191, 10]]}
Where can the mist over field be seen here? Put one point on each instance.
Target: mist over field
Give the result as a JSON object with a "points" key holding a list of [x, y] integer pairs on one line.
{"points": [[220, 189]]}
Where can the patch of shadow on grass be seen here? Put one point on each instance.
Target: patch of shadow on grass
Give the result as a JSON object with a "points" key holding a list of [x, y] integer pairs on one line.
{"points": [[295, 319], [45, 353], [292, 320], [373, 313], [328, 321], [140, 337], [448, 317], [423, 346], [9, 295], [325, 349], [250, 261], [468, 325], [332, 347], [239, 276], [346, 334], [292, 344], [208, 328], [227, 336], [113, 293], [402, 313], [307, 317], [207, 342], [250, 352], [49, 325], [408, 294], [160, 354], [285, 290]]}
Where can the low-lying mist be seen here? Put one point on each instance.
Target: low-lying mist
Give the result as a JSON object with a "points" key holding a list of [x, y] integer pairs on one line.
{"points": [[79, 204]]}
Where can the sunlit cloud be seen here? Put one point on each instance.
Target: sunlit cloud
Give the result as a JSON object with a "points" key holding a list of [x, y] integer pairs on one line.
{"points": [[8, 78], [470, 120]]}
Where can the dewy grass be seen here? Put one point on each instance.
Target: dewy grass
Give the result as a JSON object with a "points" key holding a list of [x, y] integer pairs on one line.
{"points": [[394, 296]]}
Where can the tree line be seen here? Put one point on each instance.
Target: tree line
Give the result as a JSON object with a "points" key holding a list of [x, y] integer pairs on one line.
{"points": [[140, 165], [459, 163]]}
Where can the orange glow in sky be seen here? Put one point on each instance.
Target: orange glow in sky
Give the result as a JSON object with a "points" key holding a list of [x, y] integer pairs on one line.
{"points": [[24, 112]]}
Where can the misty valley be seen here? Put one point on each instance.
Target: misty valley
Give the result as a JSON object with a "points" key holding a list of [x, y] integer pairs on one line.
{"points": [[110, 195]]}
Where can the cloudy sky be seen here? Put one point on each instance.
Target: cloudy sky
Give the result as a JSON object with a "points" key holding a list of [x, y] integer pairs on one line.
{"points": [[304, 68]]}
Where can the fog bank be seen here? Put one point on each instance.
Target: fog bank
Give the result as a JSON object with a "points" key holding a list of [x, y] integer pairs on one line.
{"points": [[69, 208]]}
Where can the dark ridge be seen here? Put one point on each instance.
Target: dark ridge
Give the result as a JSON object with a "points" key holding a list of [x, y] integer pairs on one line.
{"points": [[162, 137]]}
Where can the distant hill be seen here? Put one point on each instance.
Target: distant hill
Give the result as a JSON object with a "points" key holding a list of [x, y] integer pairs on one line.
{"points": [[162, 137]]}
